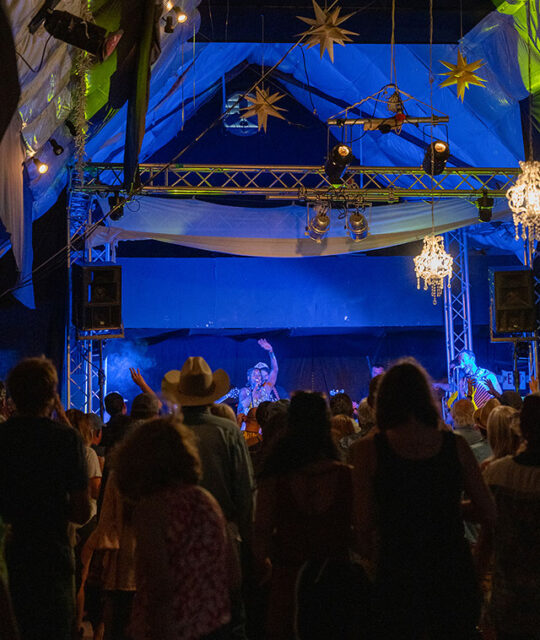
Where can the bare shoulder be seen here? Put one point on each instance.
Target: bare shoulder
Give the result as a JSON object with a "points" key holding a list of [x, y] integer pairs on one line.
{"points": [[362, 452]]}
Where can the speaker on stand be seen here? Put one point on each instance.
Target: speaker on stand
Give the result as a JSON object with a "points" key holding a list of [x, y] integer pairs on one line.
{"points": [[513, 302]]}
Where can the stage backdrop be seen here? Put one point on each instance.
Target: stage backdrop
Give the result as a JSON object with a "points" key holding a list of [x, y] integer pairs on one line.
{"points": [[327, 292]]}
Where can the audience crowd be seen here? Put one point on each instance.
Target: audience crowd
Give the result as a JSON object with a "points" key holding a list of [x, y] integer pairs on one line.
{"points": [[308, 518]]}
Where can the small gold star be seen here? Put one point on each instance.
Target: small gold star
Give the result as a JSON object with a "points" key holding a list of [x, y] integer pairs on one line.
{"points": [[262, 106], [462, 74], [325, 30]]}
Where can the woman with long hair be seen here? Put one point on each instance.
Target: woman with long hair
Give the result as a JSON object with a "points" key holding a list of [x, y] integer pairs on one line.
{"points": [[303, 515], [409, 479]]}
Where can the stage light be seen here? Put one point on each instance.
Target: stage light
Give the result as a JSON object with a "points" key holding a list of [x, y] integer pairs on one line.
{"points": [[58, 149], [181, 15], [42, 167], [82, 34], [318, 226], [339, 158], [485, 207], [357, 226], [116, 202], [169, 24], [435, 157]]}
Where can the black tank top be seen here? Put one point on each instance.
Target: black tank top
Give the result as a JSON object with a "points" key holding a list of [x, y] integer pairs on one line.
{"points": [[418, 505]]}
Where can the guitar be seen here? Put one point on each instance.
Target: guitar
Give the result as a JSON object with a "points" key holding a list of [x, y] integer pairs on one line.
{"points": [[234, 393]]}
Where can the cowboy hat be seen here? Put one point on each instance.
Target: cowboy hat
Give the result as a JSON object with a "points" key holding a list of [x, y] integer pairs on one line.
{"points": [[195, 385]]}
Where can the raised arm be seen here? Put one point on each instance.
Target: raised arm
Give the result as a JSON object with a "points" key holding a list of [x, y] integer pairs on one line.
{"points": [[138, 379], [272, 376]]}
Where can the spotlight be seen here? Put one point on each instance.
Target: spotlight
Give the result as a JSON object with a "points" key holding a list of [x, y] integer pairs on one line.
{"points": [[357, 226], [116, 203], [338, 160], [42, 167], [169, 24], [82, 34], [318, 226], [435, 157], [485, 207], [58, 149], [181, 15]]}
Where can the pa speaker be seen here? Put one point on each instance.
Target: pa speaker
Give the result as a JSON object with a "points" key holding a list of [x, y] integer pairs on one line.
{"points": [[97, 296], [515, 310]]}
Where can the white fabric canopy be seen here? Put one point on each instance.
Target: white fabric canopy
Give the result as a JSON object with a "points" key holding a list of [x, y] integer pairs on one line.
{"points": [[278, 232]]}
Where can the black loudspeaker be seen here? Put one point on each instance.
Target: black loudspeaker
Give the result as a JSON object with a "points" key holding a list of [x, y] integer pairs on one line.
{"points": [[97, 296], [515, 310]]}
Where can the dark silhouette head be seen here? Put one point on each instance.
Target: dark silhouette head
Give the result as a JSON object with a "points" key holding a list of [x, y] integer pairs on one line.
{"points": [[404, 396]]}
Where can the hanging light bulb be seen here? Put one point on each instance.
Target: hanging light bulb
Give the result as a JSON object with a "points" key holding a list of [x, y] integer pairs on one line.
{"points": [[433, 265], [169, 5], [524, 200], [42, 167], [318, 225]]}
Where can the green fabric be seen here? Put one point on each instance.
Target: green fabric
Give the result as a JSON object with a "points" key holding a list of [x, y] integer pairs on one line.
{"points": [[138, 100], [107, 14]]}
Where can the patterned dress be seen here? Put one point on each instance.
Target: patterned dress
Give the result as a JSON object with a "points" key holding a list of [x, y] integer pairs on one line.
{"points": [[192, 538]]}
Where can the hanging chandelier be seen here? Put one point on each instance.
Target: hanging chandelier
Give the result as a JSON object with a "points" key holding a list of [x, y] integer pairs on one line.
{"points": [[524, 200], [433, 265]]}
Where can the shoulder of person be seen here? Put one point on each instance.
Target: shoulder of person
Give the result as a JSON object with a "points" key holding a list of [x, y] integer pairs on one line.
{"points": [[496, 468]]}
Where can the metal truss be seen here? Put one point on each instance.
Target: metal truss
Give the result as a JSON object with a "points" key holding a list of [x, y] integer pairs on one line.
{"points": [[371, 184], [457, 307], [85, 378]]}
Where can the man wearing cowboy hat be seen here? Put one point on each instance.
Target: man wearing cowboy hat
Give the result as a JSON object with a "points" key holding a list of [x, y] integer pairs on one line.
{"points": [[227, 470]]}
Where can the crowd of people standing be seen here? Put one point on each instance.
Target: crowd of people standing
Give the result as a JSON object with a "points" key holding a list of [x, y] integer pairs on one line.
{"points": [[304, 518]]}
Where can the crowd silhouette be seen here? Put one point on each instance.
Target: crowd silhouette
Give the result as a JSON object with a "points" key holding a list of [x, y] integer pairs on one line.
{"points": [[310, 518]]}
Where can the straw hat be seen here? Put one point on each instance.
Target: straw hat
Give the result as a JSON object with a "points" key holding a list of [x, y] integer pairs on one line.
{"points": [[195, 385]]}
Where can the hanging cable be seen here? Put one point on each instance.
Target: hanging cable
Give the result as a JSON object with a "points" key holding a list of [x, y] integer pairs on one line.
{"points": [[393, 76]]}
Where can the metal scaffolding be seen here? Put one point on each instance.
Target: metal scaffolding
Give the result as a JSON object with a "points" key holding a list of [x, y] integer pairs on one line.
{"points": [[457, 307], [85, 376], [385, 184]]}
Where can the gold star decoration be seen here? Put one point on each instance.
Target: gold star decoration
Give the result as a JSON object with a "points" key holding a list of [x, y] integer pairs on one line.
{"points": [[325, 30], [462, 74], [262, 106]]}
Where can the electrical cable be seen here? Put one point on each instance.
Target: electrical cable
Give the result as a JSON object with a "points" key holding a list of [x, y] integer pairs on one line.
{"points": [[42, 57]]}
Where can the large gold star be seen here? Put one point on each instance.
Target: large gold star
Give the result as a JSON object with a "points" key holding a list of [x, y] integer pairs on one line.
{"points": [[462, 74], [262, 106], [325, 30]]}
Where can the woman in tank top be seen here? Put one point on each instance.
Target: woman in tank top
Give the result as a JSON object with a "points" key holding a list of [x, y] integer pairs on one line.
{"points": [[408, 481]]}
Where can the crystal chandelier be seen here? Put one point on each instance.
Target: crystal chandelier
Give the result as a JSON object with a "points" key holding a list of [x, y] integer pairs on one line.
{"points": [[433, 265], [524, 200]]}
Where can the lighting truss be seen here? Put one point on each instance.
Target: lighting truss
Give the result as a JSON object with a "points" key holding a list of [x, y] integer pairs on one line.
{"points": [[368, 184]]}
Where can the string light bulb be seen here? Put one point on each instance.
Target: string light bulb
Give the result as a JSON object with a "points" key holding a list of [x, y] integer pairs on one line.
{"points": [[42, 167], [181, 15]]}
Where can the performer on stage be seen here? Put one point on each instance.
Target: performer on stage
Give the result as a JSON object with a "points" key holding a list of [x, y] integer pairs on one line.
{"points": [[481, 380], [257, 389]]}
